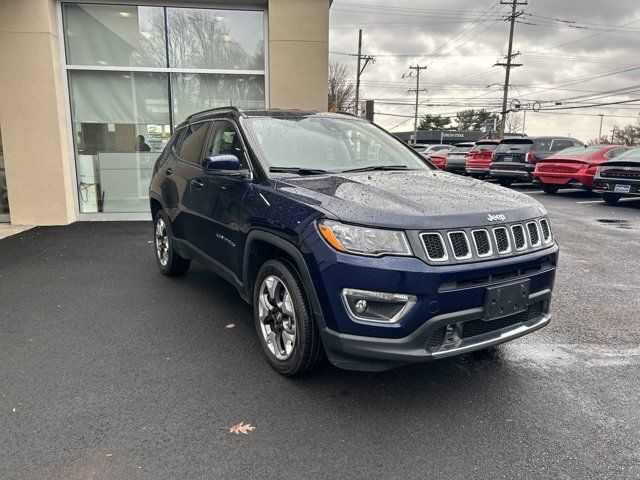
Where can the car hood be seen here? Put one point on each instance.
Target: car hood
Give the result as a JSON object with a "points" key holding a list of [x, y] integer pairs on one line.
{"points": [[411, 200]]}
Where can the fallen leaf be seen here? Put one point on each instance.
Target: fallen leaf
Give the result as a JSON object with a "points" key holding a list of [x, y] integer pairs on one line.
{"points": [[230, 325], [241, 427]]}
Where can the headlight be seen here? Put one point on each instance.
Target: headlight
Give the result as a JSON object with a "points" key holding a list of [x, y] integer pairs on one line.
{"points": [[364, 240]]}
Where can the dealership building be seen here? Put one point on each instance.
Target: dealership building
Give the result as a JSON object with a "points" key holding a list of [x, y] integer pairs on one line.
{"points": [[91, 91]]}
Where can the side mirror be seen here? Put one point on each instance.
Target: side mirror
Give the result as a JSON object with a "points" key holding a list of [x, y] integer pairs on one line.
{"points": [[221, 162]]}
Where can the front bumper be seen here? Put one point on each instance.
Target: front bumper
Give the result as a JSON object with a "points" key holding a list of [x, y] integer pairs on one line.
{"points": [[355, 352], [445, 295]]}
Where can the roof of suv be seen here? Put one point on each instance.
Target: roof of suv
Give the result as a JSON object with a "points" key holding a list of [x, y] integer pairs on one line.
{"points": [[237, 112]]}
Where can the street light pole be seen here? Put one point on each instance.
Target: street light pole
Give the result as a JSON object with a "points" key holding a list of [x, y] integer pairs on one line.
{"points": [[601, 115]]}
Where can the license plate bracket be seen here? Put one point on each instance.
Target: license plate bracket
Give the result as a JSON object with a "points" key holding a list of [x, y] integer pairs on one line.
{"points": [[622, 188], [504, 300]]}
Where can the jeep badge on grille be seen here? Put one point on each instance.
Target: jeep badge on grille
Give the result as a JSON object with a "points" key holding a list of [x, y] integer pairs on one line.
{"points": [[499, 217]]}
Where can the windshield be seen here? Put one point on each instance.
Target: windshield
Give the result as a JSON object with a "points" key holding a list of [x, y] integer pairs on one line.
{"points": [[485, 146], [515, 147], [438, 148], [329, 143], [463, 149], [580, 151]]}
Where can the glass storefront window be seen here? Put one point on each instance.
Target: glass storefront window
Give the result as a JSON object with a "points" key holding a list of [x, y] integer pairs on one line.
{"points": [[215, 39], [121, 122], [122, 114], [114, 35], [193, 93], [4, 194]]}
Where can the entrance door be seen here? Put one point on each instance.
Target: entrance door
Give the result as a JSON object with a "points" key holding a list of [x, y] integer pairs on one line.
{"points": [[4, 194]]}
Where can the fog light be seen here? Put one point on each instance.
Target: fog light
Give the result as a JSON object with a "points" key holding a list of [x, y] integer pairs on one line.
{"points": [[377, 306], [361, 306]]}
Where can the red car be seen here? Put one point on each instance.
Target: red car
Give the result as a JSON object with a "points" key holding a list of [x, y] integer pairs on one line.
{"points": [[439, 159], [574, 167], [479, 158]]}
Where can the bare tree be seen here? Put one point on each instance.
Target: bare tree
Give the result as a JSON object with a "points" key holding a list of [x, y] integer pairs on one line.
{"points": [[341, 88], [513, 123]]}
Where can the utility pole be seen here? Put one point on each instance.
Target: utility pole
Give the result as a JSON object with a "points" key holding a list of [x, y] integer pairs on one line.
{"points": [[360, 69], [524, 120], [417, 91], [509, 65], [601, 115]]}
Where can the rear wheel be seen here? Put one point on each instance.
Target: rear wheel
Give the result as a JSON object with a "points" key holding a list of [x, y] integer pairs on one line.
{"points": [[169, 262], [551, 189], [288, 334], [505, 182], [611, 198]]}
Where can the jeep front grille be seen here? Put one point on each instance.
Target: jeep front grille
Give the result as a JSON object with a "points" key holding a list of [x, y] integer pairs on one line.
{"points": [[534, 234], [482, 242], [546, 231], [433, 244], [502, 240], [518, 237], [485, 243], [460, 245]]}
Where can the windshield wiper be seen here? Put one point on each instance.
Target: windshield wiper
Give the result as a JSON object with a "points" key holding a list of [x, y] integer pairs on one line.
{"points": [[376, 167], [298, 170]]}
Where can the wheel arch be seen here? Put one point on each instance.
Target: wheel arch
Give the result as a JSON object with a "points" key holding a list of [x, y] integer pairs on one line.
{"points": [[155, 205], [262, 246]]}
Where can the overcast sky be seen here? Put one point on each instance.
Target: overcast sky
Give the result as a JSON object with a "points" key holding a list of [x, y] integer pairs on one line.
{"points": [[571, 50]]}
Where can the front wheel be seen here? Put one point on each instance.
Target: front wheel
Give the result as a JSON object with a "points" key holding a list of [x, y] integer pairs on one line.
{"points": [[551, 189], [288, 334], [505, 182], [169, 261], [611, 198]]}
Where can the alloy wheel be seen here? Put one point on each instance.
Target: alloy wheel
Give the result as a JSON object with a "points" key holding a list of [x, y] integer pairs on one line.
{"points": [[277, 317], [162, 242]]}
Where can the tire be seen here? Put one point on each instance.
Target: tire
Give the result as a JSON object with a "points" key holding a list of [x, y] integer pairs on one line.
{"points": [[550, 188], [505, 182], [611, 198], [168, 260], [282, 314]]}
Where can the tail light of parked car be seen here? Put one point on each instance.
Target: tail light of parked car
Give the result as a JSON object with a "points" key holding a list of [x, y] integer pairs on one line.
{"points": [[531, 157]]}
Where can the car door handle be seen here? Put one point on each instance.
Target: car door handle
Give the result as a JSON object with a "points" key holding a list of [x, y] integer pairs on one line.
{"points": [[168, 171], [197, 183]]}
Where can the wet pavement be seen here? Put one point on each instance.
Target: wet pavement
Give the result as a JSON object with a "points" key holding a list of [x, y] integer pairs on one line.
{"points": [[109, 370]]}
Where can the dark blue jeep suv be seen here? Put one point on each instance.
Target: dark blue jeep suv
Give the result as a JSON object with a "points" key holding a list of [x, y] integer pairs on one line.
{"points": [[349, 247]]}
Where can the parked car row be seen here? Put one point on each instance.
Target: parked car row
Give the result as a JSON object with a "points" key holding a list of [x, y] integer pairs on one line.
{"points": [[552, 162]]}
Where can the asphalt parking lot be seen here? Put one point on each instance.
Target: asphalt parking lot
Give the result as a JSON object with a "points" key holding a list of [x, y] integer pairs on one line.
{"points": [[108, 370]]}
